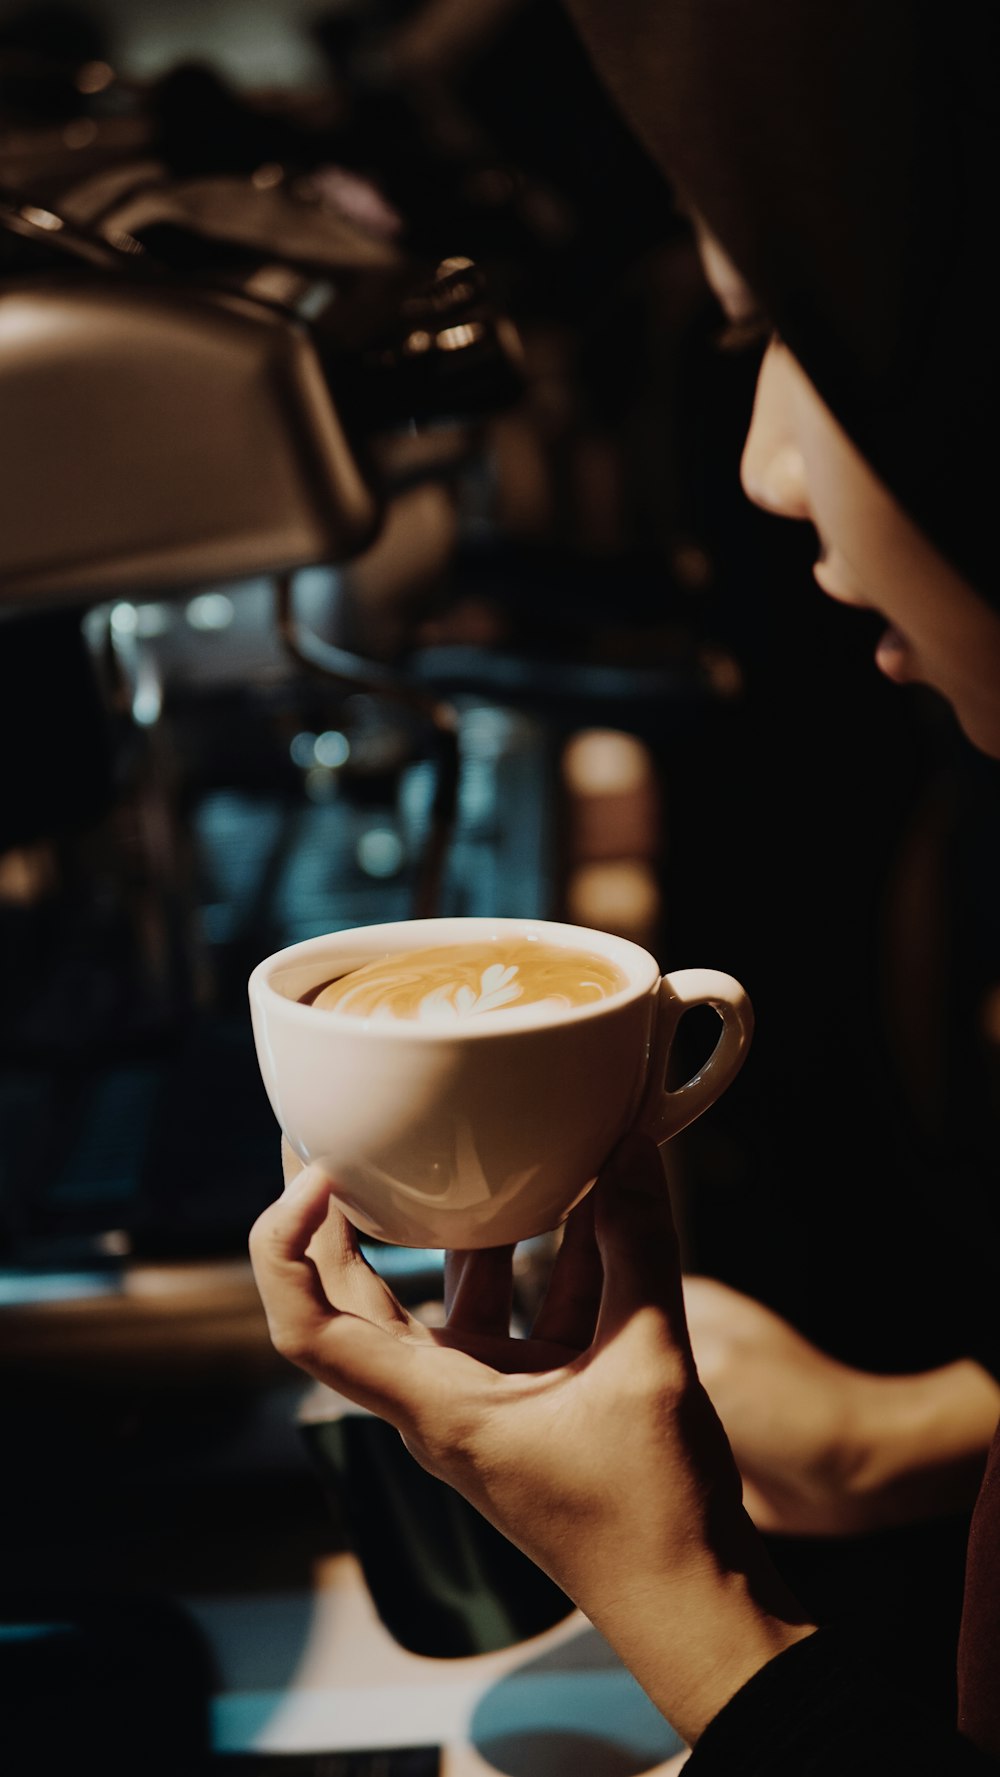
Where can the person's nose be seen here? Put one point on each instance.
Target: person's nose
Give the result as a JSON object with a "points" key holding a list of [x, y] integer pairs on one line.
{"points": [[772, 469]]}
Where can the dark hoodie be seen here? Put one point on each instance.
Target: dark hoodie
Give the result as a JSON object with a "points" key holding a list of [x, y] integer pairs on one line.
{"points": [[846, 154]]}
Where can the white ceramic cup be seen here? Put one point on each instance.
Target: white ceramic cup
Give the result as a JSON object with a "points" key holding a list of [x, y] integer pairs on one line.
{"points": [[484, 1131]]}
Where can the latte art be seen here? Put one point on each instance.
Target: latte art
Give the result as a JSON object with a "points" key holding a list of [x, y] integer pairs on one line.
{"points": [[448, 983]]}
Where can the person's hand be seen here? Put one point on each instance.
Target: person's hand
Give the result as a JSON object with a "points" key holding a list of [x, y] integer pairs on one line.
{"points": [[590, 1443], [829, 1450]]}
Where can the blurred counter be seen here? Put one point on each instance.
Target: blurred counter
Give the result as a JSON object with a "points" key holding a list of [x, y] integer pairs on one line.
{"points": [[550, 1706]]}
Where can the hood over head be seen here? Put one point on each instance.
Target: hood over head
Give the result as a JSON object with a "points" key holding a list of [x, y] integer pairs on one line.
{"points": [[845, 154]]}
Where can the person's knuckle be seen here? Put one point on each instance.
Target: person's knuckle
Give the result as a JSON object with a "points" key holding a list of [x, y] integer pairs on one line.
{"points": [[292, 1342], [261, 1233]]}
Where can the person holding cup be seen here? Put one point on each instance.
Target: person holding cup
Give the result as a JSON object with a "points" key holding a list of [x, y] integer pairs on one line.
{"points": [[808, 144], [461, 1080]]}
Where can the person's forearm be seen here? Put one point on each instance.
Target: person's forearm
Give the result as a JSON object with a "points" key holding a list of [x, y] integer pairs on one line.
{"points": [[920, 1443], [692, 1643]]}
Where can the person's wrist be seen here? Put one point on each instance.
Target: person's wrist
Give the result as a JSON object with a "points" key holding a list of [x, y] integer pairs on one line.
{"points": [[692, 1641], [918, 1442]]}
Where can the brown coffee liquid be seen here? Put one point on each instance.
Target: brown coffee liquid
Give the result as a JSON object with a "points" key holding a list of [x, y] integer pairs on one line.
{"points": [[444, 983]]}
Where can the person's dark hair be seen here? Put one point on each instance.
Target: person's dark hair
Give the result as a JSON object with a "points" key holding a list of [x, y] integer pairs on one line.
{"points": [[845, 153]]}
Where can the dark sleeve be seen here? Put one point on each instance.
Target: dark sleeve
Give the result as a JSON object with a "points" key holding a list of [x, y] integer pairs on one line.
{"points": [[820, 1710]]}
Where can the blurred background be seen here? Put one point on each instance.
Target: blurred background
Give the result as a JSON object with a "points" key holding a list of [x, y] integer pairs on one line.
{"points": [[371, 544]]}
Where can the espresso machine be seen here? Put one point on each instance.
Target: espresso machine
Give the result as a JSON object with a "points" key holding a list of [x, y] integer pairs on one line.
{"points": [[272, 662], [288, 642]]}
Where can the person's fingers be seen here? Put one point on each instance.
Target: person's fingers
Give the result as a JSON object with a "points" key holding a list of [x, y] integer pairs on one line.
{"points": [[306, 1239], [568, 1312], [291, 1165], [637, 1239], [349, 1282], [279, 1242], [370, 1360], [478, 1291]]}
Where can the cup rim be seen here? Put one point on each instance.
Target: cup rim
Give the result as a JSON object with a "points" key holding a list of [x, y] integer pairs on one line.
{"points": [[642, 967]]}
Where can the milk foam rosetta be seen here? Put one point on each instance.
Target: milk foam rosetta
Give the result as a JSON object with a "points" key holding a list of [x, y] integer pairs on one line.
{"points": [[446, 983]]}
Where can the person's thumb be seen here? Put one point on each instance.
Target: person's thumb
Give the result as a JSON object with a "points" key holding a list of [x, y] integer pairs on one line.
{"points": [[291, 1165]]}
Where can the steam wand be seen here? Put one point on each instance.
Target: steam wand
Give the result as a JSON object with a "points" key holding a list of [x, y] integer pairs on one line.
{"points": [[330, 662]]}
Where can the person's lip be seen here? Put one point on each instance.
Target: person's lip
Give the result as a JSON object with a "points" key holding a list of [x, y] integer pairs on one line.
{"points": [[892, 652], [892, 655]]}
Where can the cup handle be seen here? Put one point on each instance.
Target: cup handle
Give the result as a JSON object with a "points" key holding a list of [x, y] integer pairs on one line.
{"points": [[663, 1113]]}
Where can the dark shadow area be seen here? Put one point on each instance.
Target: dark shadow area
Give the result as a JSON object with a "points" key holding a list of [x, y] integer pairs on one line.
{"points": [[444, 1582]]}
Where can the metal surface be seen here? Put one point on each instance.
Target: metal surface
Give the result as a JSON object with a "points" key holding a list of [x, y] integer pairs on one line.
{"points": [[158, 439]]}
